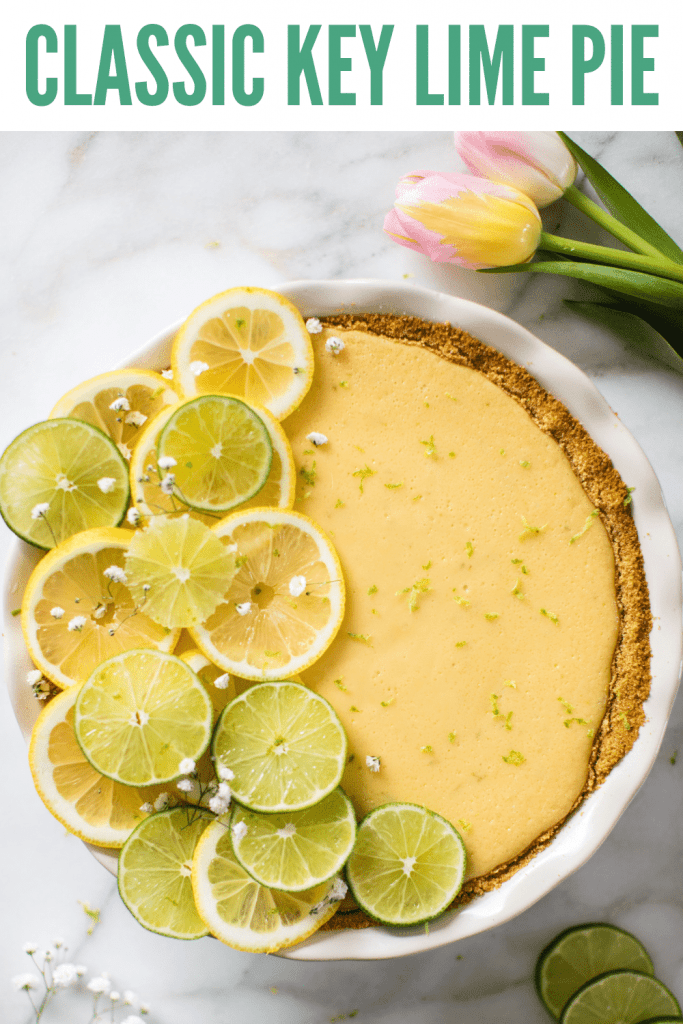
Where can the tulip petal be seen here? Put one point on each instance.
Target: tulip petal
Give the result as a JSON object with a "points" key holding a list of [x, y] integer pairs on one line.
{"points": [[537, 163]]}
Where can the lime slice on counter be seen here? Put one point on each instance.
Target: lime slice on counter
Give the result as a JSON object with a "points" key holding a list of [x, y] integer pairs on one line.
{"points": [[155, 873], [141, 714], [221, 452], [579, 954], [61, 477], [285, 745], [178, 570], [407, 866], [298, 849], [620, 997], [249, 916]]}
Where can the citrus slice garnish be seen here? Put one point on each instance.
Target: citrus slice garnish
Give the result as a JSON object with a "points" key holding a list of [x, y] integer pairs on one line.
{"points": [[145, 476], [78, 610], [579, 954], [61, 477], [219, 685], [179, 569], [247, 342], [285, 745], [90, 806], [620, 997], [140, 715], [154, 876], [407, 865], [298, 849], [218, 451], [120, 403], [286, 601], [249, 916]]}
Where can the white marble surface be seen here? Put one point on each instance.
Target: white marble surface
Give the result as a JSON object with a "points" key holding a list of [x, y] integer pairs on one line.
{"points": [[105, 239]]}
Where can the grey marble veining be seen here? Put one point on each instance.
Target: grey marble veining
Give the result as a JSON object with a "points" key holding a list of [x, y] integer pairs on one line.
{"points": [[107, 238]]}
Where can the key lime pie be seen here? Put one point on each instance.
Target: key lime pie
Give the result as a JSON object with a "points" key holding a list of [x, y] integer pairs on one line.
{"points": [[424, 587]]}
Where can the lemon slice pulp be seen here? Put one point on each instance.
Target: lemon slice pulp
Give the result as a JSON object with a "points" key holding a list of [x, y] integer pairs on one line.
{"points": [[285, 745], [74, 615], [247, 342], [120, 403], [61, 477], [140, 715], [286, 601], [249, 916]]}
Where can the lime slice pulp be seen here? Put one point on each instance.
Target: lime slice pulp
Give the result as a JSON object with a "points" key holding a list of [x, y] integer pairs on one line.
{"points": [[620, 997]]}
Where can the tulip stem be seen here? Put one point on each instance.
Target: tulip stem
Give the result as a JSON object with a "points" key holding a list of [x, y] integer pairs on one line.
{"points": [[610, 223], [660, 266]]}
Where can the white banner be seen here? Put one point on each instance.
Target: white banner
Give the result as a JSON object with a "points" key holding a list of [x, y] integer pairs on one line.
{"points": [[380, 65]]}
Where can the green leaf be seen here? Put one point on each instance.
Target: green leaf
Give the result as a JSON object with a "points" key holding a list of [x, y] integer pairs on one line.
{"points": [[634, 329], [641, 286], [621, 203]]}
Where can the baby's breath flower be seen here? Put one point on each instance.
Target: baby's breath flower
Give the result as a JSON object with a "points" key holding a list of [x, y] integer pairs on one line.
{"points": [[65, 975], [114, 996], [39, 510], [106, 484], [313, 325], [338, 890], [129, 998], [317, 439], [297, 585], [146, 587], [218, 805], [135, 418], [167, 374], [198, 367], [185, 786], [134, 1019], [57, 612], [187, 766], [133, 516], [244, 608], [76, 624], [115, 573], [58, 942], [222, 682], [239, 830], [99, 985], [223, 772], [120, 404], [144, 1008], [30, 948], [147, 808], [49, 955], [373, 763], [34, 676], [167, 483], [81, 969], [334, 346], [25, 982], [162, 802], [166, 462]]}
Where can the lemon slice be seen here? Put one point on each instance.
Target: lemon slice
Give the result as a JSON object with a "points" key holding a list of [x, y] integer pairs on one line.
{"points": [[61, 477], [179, 570], [136, 396], [247, 342], [145, 477], [407, 865], [246, 915], [219, 450], [140, 715], [267, 626], [154, 873], [219, 685], [89, 805], [284, 744], [74, 616], [298, 849]]}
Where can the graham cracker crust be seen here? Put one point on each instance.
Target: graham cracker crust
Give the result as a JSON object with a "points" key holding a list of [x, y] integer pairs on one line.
{"points": [[630, 679]]}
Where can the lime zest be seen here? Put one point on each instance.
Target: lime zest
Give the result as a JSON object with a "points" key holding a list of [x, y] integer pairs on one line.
{"points": [[340, 685], [550, 615], [309, 475], [387, 703], [628, 499], [340, 503], [515, 758], [490, 616], [469, 548], [586, 526], [361, 638], [373, 589], [461, 643], [464, 825], [427, 749], [529, 529], [356, 710], [393, 487], [363, 473], [419, 587], [626, 723], [452, 736], [566, 705], [460, 600], [517, 592]]}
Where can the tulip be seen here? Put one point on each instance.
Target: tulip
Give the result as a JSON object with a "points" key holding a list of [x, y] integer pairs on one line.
{"points": [[456, 218], [537, 163]]}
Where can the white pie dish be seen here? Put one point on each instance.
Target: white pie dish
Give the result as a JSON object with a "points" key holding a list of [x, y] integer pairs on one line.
{"points": [[584, 832]]}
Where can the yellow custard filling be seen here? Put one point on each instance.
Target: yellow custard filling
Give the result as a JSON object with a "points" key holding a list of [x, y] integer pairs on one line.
{"points": [[475, 656]]}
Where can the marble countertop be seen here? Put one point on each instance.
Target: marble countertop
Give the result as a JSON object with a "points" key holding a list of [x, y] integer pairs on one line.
{"points": [[107, 238]]}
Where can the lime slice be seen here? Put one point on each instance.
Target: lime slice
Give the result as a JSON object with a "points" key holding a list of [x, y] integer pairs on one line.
{"points": [[218, 450], [155, 868], [620, 997], [178, 570], [249, 916], [285, 745], [61, 477], [298, 849], [140, 715], [579, 954], [407, 865]]}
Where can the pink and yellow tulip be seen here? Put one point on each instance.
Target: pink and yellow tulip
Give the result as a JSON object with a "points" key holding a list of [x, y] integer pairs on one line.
{"points": [[468, 221]]}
